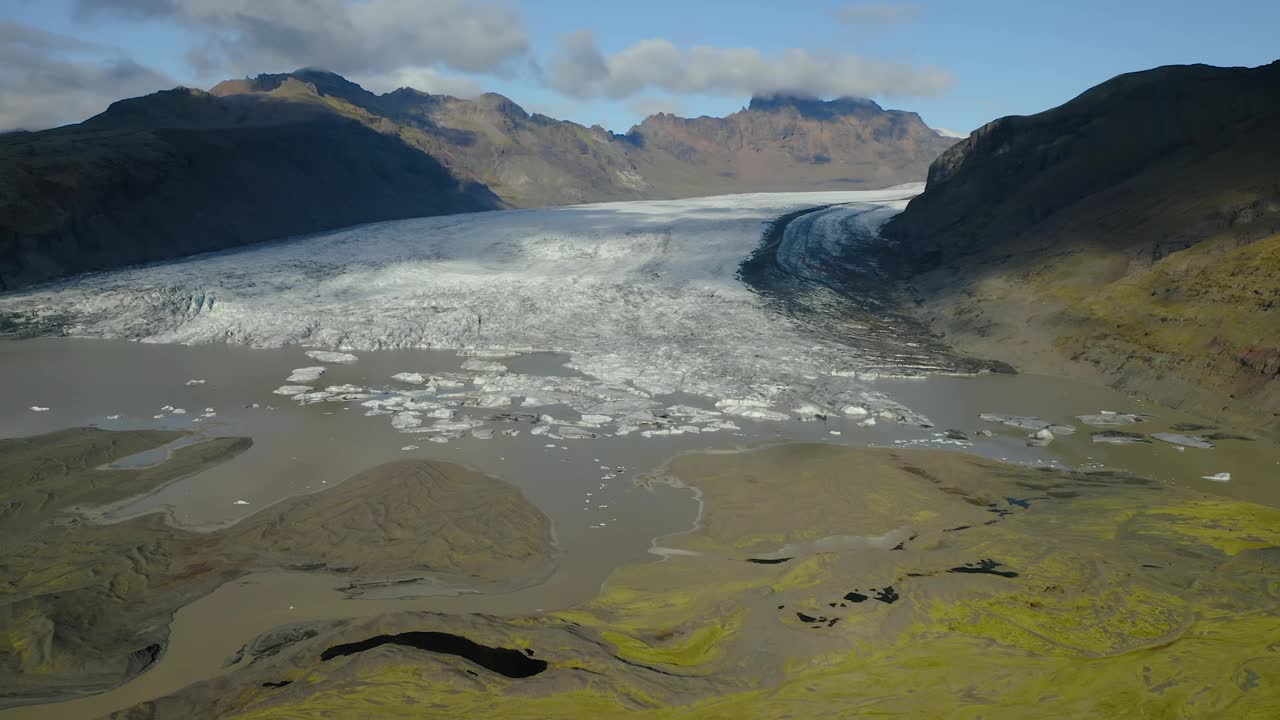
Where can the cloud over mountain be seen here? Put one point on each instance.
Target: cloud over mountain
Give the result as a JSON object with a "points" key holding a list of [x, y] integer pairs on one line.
{"points": [[579, 69]]}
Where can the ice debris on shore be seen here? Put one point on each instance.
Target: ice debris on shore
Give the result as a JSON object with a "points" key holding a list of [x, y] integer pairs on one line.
{"points": [[1034, 424], [1110, 417], [1117, 437], [1194, 441]]}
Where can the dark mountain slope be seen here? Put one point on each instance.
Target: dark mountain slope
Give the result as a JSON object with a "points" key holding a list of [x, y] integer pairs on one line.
{"points": [[1132, 232], [183, 172]]}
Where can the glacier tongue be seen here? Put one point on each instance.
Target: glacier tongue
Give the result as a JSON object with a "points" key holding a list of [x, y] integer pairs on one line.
{"points": [[644, 297]]}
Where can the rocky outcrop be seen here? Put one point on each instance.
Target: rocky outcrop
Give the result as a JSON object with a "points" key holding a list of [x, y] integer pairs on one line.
{"points": [[1132, 233], [786, 143]]}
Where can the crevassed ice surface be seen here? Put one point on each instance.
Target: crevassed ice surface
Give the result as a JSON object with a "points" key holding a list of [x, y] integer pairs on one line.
{"points": [[644, 296]]}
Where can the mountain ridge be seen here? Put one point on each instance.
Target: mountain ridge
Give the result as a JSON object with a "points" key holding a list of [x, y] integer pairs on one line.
{"points": [[183, 171], [1131, 234]]}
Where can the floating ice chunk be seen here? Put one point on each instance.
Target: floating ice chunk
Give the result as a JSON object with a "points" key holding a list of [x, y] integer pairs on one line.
{"points": [[209, 415], [179, 411], [459, 425], [310, 398], [488, 400], [1116, 437], [195, 382], [407, 448], [569, 432], [484, 366], [833, 432], [756, 414], [292, 390], [37, 408], [166, 408], [1040, 438], [411, 378], [482, 433], [1028, 423], [1110, 417], [596, 419], [240, 502], [1218, 477], [809, 412], [732, 404], [443, 413], [406, 419], [438, 439], [114, 417], [325, 356], [157, 417], [1194, 441], [306, 374], [867, 422], [854, 410], [539, 430], [208, 409]]}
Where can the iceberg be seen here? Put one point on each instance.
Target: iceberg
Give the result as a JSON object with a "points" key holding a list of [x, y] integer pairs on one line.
{"points": [[306, 374], [326, 356]]}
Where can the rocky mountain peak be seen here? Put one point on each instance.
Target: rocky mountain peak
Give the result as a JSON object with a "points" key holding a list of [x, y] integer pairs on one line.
{"points": [[811, 107]]}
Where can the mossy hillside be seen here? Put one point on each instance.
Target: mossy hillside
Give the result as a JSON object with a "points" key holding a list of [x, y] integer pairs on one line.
{"points": [[1096, 613]]}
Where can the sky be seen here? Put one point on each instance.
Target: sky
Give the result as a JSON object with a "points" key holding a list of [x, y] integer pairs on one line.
{"points": [[958, 64]]}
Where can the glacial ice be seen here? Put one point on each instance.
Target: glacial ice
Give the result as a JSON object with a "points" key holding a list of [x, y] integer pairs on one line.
{"points": [[644, 297], [326, 356], [306, 374]]}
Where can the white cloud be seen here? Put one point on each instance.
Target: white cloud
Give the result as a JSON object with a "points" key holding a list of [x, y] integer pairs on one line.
{"points": [[950, 133], [362, 38], [580, 70], [48, 79], [875, 14], [428, 80]]}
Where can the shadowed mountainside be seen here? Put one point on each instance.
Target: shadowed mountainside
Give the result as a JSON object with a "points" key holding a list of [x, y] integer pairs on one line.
{"points": [[184, 171], [1133, 232]]}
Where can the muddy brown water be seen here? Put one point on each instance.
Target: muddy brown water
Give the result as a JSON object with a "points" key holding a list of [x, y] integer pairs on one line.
{"points": [[306, 449]]}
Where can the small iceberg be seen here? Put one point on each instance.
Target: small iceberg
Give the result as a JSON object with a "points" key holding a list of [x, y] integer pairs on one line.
{"points": [[326, 356], [37, 408], [306, 374], [1194, 441], [1217, 477]]}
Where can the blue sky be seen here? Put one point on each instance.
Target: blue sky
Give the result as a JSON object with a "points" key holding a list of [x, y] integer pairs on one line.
{"points": [[959, 64]]}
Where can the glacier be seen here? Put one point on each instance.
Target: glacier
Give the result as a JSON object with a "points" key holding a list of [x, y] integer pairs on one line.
{"points": [[647, 299]]}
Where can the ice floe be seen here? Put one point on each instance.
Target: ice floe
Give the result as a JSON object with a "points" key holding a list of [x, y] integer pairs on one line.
{"points": [[306, 374], [1194, 441], [1117, 437], [1110, 417], [1218, 477], [326, 356], [38, 408], [195, 382], [292, 390]]}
